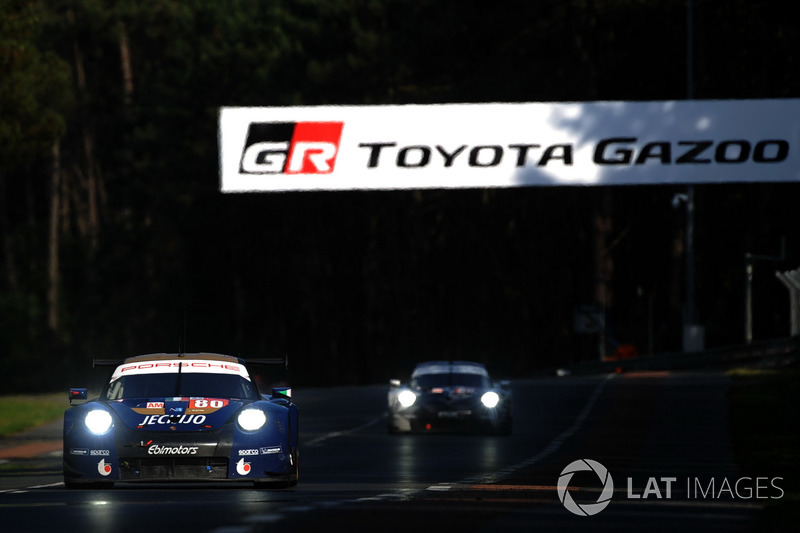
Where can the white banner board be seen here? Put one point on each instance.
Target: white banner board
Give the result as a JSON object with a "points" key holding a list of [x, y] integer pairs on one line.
{"points": [[508, 145]]}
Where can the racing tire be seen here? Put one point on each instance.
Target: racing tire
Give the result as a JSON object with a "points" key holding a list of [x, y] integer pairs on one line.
{"points": [[505, 428], [289, 482]]}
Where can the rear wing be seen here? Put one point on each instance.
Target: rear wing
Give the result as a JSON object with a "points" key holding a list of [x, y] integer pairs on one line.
{"points": [[97, 363], [273, 361], [249, 362]]}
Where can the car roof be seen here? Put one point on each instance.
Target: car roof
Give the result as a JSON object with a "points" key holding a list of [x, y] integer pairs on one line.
{"points": [[443, 367], [452, 363], [172, 356], [165, 363]]}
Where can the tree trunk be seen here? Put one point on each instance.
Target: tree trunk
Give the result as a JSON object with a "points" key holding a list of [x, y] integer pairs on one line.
{"points": [[604, 264], [125, 61], [53, 241], [8, 248], [91, 222]]}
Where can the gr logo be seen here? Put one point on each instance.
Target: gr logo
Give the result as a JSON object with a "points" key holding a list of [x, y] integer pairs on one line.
{"points": [[585, 509], [291, 147]]}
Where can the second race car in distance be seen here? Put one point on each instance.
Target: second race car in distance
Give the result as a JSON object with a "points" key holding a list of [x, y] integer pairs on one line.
{"points": [[181, 417], [451, 397]]}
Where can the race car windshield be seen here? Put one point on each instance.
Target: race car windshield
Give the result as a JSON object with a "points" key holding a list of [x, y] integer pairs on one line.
{"points": [[201, 385], [430, 381]]}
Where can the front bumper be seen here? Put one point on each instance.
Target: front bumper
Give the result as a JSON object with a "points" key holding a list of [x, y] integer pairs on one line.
{"points": [[478, 419], [223, 454]]}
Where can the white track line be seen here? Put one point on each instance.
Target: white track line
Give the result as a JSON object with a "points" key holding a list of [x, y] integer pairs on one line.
{"points": [[554, 445], [333, 434]]}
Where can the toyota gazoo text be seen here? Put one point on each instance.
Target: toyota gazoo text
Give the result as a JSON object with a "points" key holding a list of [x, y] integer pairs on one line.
{"points": [[451, 397], [181, 417]]}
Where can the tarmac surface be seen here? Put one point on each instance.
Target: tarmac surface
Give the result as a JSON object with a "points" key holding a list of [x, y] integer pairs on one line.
{"points": [[645, 428]]}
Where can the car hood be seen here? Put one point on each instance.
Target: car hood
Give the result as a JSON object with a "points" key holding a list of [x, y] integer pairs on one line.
{"points": [[452, 395], [176, 414]]}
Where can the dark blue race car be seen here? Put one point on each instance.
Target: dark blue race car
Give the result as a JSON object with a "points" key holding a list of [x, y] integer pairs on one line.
{"points": [[447, 396], [181, 417]]}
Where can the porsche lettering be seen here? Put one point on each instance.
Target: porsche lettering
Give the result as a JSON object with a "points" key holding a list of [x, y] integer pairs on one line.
{"points": [[185, 365]]}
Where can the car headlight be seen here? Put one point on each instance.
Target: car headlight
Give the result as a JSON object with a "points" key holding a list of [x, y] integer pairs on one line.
{"points": [[98, 421], [252, 419], [406, 398], [490, 399]]}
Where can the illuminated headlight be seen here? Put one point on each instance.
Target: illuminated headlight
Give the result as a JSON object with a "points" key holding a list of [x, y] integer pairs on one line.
{"points": [[406, 398], [98, 421], [252, 419], [490, 399]]}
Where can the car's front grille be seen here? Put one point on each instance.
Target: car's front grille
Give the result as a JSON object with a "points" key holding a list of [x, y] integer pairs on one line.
{"points": [[173, 468]]}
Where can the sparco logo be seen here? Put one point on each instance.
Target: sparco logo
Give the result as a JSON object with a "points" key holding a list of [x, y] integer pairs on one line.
{"points": [[586, 509], [291, 147], [157, 449]]}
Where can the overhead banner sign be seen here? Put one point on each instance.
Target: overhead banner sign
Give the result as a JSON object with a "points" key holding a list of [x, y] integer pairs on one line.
{"points": [[508, 145]]}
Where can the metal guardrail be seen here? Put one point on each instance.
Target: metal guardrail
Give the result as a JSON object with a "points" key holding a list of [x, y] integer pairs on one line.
{"points": [[761, 352]]}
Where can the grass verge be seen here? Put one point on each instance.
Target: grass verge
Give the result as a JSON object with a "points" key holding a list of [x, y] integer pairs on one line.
{"points": [[18, 413], [766, 436]]}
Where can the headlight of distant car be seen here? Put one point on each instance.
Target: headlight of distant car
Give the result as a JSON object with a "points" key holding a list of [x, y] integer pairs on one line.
{"points": [[98, 421], [252, 419], [490, 399], [406, 398]]}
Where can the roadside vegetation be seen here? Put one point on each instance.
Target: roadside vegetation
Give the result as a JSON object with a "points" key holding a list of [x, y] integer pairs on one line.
{"points": [[115, 239], [764, 414], [19, 413]]}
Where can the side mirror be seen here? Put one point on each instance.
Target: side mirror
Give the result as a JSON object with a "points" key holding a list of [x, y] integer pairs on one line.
{"points": [[282, 393], [394, 382], [78, 394]]}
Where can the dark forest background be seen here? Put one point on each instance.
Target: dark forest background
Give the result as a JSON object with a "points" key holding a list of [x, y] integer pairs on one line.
{"points": [[115, 239]]}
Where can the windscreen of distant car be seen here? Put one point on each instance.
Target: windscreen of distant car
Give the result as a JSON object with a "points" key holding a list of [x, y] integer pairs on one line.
{"points": [[427, 382]]}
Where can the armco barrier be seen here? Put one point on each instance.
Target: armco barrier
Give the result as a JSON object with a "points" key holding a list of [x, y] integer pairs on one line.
{"points": [[761, 352]]}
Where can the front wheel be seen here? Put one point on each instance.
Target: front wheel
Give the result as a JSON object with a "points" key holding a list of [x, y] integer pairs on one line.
{"points": [[285, 483], [505, 428]]}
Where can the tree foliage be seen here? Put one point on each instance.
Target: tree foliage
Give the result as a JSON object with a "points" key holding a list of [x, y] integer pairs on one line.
{"points": [[356, 286], [34, 86]]}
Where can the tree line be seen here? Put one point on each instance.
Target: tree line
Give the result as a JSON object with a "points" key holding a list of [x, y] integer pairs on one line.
{"points": [[115, 239]]}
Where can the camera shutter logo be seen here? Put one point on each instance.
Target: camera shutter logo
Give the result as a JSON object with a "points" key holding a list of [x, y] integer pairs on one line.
{"points": [[291, 147], [585, 509]]}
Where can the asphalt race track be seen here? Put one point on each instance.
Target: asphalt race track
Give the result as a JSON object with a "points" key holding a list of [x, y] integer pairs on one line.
{"points": [[663, 439]]}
